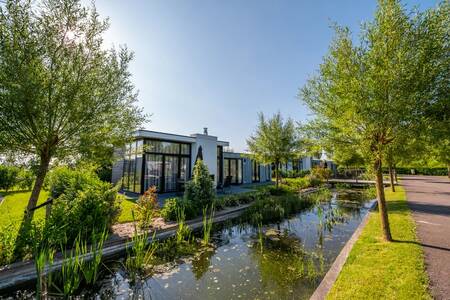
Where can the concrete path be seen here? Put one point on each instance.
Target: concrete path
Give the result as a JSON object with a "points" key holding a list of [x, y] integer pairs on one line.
{"points": [[429, 199]]}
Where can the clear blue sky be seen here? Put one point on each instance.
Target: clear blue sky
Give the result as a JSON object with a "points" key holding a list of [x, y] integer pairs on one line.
{"points": [[216, 64]]}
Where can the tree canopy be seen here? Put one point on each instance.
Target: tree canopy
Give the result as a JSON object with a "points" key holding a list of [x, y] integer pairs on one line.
{"points": [[274, 141], [368, 94], [62, 93]]}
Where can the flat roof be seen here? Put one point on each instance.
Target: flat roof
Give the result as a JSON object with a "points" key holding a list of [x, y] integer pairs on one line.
{"points": [[171, 137]]}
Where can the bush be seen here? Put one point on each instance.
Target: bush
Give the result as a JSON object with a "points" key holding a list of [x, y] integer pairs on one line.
{"points": [[146, 206], [84, 204], [200, 190], [296, 184], [294, 173], [25, 179], [421, 171], [321, 173], [63, 179], [173, 205], [8, 177], [275, 209]]}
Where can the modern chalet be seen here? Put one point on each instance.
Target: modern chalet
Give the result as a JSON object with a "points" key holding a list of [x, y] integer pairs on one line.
{"points": [[167, 160]]}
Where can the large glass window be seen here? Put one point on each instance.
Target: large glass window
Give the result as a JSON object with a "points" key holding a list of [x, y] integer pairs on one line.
{"points": [[256, 175], [233, 168], [167, 164]]}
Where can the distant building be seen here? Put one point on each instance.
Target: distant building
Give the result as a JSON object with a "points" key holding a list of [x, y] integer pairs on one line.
{"points": [[309, 162]]}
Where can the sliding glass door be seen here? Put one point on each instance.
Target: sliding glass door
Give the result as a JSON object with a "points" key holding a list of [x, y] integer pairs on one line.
{"points": [[153, 171], [170, 173]]}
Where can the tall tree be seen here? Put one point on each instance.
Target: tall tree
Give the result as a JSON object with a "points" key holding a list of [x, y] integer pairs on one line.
{"points": [[366, 95], [62, 93], [274, 142]]}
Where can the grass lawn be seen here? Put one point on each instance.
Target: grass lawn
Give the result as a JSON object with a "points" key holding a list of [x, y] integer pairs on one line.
{"points": [[13, 206], [127, 205], [379, 270]]}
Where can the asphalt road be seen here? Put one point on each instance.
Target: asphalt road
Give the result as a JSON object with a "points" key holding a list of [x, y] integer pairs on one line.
{"points": [[429, 199]]}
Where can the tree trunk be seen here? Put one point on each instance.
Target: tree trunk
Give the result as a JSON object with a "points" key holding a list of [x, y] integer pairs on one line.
{"points": [[22, 236], [448, 170], [277, 174], [42, 171], [382, 202], [395, 175], [391, 177]]}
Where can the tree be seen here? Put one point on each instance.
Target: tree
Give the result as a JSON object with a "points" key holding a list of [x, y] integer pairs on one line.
{"points": [[367, 95], [62, 94], [200, 190], [274, 142], [435, 51]]}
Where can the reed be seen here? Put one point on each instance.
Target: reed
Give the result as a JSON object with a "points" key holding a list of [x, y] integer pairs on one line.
{"points": [[70, 269], [43, 256], [207, 224], [90, 269], [139, 256], [183, 231]]}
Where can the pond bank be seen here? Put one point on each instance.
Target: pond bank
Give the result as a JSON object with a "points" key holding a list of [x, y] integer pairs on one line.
{"points": [[20, 273]]}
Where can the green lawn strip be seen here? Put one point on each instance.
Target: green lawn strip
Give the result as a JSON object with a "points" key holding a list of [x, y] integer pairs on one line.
{"points": [[379, 270], [127, 205], [13, 206]]}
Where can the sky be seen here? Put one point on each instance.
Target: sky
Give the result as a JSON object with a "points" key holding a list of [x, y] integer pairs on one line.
{"points": [[216, 64]]}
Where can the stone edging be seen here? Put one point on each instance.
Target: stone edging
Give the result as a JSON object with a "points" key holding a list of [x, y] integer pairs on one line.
{"points": [[330, 278]]}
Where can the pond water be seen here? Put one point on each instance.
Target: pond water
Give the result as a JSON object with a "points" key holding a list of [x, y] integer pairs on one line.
{"points": [[276, 261]]}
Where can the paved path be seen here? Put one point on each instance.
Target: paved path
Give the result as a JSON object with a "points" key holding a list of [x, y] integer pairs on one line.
{"points": [[429, 199]]}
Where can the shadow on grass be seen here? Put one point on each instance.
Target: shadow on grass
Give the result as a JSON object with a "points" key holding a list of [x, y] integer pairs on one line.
{"points": [[421, 244]]}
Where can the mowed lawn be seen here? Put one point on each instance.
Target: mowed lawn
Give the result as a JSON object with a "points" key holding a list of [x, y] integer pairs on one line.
{"points": [[14, 204], [379, 270]]}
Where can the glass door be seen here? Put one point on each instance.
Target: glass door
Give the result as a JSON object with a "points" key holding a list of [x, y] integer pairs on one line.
{"points": [[153, 171], [170, 173]]}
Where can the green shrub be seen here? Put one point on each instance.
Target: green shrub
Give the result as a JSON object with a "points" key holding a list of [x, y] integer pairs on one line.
{"points": [[172, 205], [321, 173], [146, 206], [294, 173], [296, 184], [8, 177], [64, 180], [275, 208], [313, 181], [25, 179], [84, 204], [200, 190]]}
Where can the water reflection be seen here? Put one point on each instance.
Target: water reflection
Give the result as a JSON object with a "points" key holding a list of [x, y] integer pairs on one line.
{"points": [[285, 260]]}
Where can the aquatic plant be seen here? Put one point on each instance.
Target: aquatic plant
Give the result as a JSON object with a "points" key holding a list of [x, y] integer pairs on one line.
{"points": [[183, 231], [69, 276], [274, 208], [43, 256], [207, 224], [139, 256], [260, 238], [321, 195], [90, 269]]}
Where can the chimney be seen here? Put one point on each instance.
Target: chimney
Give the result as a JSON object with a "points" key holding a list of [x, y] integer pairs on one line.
{"points": [[205, 130]]}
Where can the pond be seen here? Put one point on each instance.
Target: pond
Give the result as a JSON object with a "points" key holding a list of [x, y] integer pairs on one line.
{"points": [[275, 261], [284, 260]]}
